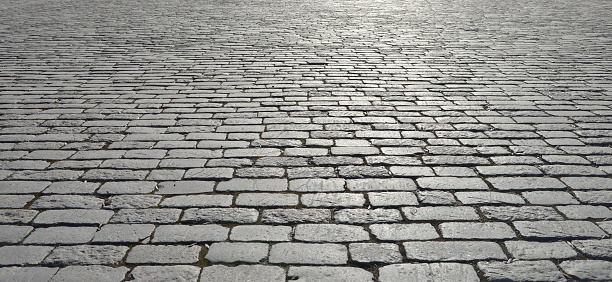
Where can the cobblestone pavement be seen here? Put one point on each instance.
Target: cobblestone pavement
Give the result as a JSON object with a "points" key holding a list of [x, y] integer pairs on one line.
{"points": [[377, 140]]}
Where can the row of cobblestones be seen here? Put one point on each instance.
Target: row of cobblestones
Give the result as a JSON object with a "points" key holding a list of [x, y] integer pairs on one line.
{"points": [[351, 140]]}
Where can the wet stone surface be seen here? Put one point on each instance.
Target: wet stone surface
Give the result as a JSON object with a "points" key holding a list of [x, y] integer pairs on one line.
{"points": [[305, 141]]}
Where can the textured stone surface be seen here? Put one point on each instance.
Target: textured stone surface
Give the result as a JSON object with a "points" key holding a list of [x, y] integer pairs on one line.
{"points": [[86, 255], [527, 250], [558, 229], [595, 248], [187, 273], [594, 270], [23, 255], [301, 253], [428, 271], [521, 271], [402, 232], [375, 252], [330, 233], [255, 273], [27, 274], [453, 251], [163, 254], [94, 273], [329, 273], [189, 234], [237, 252]]}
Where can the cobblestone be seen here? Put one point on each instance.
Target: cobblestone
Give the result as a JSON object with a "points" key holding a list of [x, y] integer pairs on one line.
{"points": [[337, 140]]}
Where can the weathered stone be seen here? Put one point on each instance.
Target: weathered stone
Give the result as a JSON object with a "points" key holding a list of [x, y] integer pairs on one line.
{"points": [[601, 249], [375, 252], [477, 198], [123, 233], [521, 271], [300, 253], [265, 233], [317, 185], [253, 273], [590, 270], [330, 233], [366, 216], [295, 216], [190, 234], [476, 230], [393, 184], [453, 251], [440, 213], [237, 252], [404, 232], [329, 274], [86, 255], [92, 273], [526, 250], [558, 229], [163, 254], [186, 273], [439, 272], [23, 255], [27, 274], [219, 215], [509, 213]]}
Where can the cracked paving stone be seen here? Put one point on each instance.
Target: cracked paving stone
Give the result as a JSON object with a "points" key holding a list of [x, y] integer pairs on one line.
{"points": [[521, 271], [163, 254], [442, 272], [187, 273], [252, 273], [329, 274]]}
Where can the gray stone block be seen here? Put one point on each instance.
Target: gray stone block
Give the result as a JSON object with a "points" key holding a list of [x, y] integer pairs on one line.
{"points": [[333, 200], [190, 234], [266, 185], [366, 216], [184, 187], [253, 273], [60, 236], [491, 198], [86, 255], [127, 187], [266, 233], [186, 273], [92, 273], [558, 229], [452, 183], [23, 255], [521, 271], [133, 201], [266, 200], [13, 234], [526, 183], [476, 230], [220, 215], [375, 252], [27, 274], [226, 252], [123, 233], [439, 272], [590, 270], [162, 216], [526, 250], [508, 213], [440, 213], [404, 232], [453, 251], [330, 233], [315, 254], [197, 201], [381, 184], [163, 254], [317, 185], [329, 274], [295, 216], [601, 249]]}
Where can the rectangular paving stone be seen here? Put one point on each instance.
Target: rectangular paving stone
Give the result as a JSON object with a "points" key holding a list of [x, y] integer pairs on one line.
{"points": [[60, 236], [295, 216], [144, 273], [26, 274], [383, 199], [22, 187], [16, 216], [14, 201], [220, 215], [367, 216], [303, 253], [441, 213], [156, 216], [127, 187], [197, 201], [428, 271], [476, 198], [521, 271], [264, 233], [209, 173], [190, 234], [588, 183], [255, 273], [23, 255], [375, 252], [252, 153], [558, 229], [317, 185], [589, 270], [585, 212], [267, 185], [86, 255], [600, 249], [453, 251], [452, 183], [226, 252], [184, 187], [404, 232], [94, 273], [329, 273], [381, 184], [527, 250], [526, 183], [510, 213], [133, 201], [330, 233], [73, 216], [333, 200], [67, 202], [266, 200], [548, 198], [123, 233], [163, 254], [594, 197], [476, 230]]}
